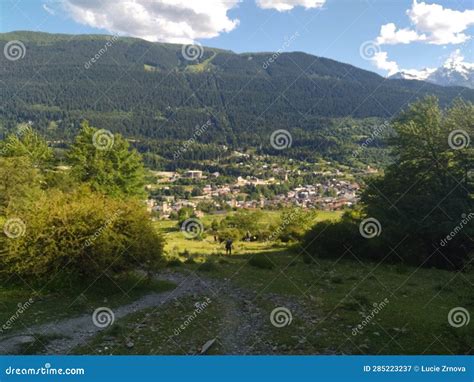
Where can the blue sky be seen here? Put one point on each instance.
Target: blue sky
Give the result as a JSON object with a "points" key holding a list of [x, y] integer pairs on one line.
{"points": [[416, 34]]}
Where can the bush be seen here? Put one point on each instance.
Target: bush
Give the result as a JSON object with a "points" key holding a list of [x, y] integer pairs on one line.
{"points": [[261, 262], [174, 263], [80, 235], [229, 233]]}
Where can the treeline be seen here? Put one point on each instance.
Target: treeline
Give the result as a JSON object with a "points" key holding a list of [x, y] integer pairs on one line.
{"points": [[419, 212]]}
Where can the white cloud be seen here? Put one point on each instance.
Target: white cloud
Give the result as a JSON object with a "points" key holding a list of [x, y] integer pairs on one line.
{"points": [[48, 9], [390, 35], [380, 59], [456, 60], [287, 5], [442, 25], [432, 24], [176, 21]]}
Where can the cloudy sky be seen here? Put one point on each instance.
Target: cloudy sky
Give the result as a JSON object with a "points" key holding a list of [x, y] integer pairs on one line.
{"points": [[379, 35]]}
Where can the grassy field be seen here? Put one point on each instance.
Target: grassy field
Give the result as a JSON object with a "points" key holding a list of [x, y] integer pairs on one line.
{"points": [[337, 296], [177, 243], [328, 298]]}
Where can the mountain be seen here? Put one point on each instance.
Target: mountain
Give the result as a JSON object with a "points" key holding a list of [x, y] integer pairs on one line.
{"points": [[158, 93], [452, 73]]}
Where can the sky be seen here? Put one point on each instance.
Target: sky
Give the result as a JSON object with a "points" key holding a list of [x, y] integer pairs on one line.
{"points": [[384, 36]]}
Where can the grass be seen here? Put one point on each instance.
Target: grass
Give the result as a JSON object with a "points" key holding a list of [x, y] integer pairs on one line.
{"points": [[335, 297], [177, 243], [328, 299], [170, 331], [69, 302], [340, 295]]}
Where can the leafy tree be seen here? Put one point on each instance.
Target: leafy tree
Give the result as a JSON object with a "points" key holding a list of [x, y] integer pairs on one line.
{"points": [[185, 213], [423, 197], [425, 193], [293, 224], [106, 162], [19, 182], [26, 142]]}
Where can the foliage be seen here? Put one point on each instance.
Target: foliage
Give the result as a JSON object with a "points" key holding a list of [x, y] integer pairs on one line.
{"points": [[19, 182], [26, 142], [161, 110], [425, 196], [80, 235], [294, 223], [115, 170]]}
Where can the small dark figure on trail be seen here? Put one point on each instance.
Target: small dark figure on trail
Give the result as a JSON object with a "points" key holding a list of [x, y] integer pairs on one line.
{"points": [[247, 236], [215, 237], [228, 247]]}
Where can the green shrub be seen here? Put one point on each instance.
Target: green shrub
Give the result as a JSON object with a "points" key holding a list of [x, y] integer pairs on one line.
{"points": [[230, 233], [261, 262], [80, 235], [174, 263]]}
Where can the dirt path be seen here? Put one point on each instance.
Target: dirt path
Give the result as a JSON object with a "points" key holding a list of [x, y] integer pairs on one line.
{"points": [[243, 319]]}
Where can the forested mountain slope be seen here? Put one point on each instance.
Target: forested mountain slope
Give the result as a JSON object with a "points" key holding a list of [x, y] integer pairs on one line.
{"points": [[149, 90]]}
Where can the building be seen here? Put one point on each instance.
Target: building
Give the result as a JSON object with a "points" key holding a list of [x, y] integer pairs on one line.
{"points": [[193, 174]]}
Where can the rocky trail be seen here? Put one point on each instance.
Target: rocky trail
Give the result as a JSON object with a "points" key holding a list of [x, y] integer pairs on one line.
{"points": [[240, 332]]}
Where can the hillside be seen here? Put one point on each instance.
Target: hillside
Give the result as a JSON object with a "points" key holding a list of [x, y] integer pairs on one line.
{"points": [[149, 90]]}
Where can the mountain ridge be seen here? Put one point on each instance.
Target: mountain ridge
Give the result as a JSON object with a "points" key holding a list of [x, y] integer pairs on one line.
{"points": [[451, 73], [151, 92]]}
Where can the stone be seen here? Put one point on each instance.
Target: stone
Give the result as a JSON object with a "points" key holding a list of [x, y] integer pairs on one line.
{"points": [[207, 346]]}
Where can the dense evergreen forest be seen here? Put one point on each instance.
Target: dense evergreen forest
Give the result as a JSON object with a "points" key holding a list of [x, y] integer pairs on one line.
{"points": [[149, 92]]}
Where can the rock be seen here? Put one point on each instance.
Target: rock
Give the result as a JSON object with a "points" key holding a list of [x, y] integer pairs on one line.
{"points": [[24, 340], [207, 346], [129, 344]]}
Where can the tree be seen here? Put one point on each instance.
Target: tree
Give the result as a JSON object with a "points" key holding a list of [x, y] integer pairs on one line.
{"points": [[424, 196], [106, 162], [26, 142], [293, 224], [19, 182], [426, 192]]}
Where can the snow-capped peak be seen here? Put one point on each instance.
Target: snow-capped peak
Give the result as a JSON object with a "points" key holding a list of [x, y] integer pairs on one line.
{"points": [[414, 74], [454, 72]]}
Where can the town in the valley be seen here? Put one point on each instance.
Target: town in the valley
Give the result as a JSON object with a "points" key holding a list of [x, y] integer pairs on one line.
{"points": [[270, 187]]}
